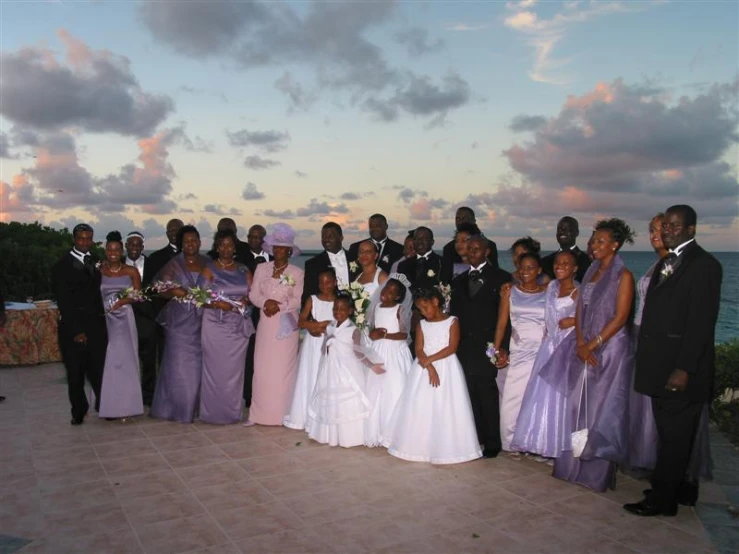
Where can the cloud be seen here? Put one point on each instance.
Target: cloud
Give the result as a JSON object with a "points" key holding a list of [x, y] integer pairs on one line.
{"points": [[422, 208], [421, 97], [298, 97], [267, 141], [220, 209], [95, 90], [5, 147], [300, 175], [258, 163], [416, 40], [619, 150], [465, 28], [250, 192], [545, 34], [279, 214], [350, 196], [321, 208], [522, 123], [406, 194]]}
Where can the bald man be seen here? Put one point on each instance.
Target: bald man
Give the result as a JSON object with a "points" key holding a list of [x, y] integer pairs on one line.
{"points": [[160, 258], [242, 249]]}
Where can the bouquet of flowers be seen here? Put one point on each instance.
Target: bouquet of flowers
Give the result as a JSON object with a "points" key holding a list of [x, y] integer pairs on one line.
{"points": [[159, 287], [287, 279], [446, 292], [199, 297], [238, 306], [130, 293], [361, 300], [492, 353]]}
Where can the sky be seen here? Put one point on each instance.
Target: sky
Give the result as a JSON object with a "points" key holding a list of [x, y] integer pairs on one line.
{"points": [[126, 114]]}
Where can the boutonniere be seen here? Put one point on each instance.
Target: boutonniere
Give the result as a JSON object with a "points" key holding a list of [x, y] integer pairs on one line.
{"points": [[667, 270], [353, 266], [430, 273], [98, 265], [386, 259], [287, 279]]}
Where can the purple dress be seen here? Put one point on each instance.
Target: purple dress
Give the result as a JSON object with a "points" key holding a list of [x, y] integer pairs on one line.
{"points": [[225, 336], [178, 387], [120, 394], [542, 422], [608, 386], [643, 437]]}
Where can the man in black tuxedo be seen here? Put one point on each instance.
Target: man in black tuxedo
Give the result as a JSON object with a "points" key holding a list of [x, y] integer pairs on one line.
{"points": [[675, 356], [242, 248], [160, 258], [255, 255], [2, 322], [334, 255], [423, 270], [568, 230], [389, 250], [475, 302], [83, 337], [449, 253], [146, 327]]}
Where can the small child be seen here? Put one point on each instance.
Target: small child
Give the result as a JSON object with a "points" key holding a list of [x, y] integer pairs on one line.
{"points": [[339, 405], [390, 316], [316, 315], [433, 420]]}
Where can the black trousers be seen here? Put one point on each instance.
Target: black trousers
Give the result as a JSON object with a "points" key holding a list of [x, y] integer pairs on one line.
{"points": [[677, 421], [249, 369], [483, 392], [148, 342], [83, 361]]}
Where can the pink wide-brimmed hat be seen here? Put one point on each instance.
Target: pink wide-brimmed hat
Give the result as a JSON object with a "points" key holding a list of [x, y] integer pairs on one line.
{"points": [[282, 235]]}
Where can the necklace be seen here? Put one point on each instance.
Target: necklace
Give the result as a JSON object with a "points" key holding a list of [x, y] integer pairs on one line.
{"points": [[224, 266], [110, 268], [276, 269], [535, 289]]}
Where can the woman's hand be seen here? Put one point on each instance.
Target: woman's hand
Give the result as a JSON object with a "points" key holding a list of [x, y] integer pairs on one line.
{"points": [[271, 307], [433, 376], [586, 354], [318, 328], [566, 322], [502, 359], [423, 360], [378, 368], [378, 333], [221, 305], [118, 304], [179, 292]]}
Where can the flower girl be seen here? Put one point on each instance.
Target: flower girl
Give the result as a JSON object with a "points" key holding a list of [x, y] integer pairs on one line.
{"points": [[389, 315], [433, 420], [339, 405], [315, 317]]}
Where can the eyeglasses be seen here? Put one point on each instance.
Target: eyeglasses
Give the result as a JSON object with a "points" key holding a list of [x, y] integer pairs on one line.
{"points": [[672, 226]]}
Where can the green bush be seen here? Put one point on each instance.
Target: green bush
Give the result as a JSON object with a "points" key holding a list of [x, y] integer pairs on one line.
{"points": [[727, 367], [27, 253]]}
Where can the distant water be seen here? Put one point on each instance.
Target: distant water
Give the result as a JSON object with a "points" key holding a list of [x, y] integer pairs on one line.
{"points": [[638, 262]]}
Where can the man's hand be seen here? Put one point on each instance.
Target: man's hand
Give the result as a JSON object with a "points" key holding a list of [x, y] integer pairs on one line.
{"points": [[678, 381], [81, 338]]}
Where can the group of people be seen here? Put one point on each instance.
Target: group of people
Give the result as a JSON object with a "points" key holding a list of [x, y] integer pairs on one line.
{"points": [[441, 358]]}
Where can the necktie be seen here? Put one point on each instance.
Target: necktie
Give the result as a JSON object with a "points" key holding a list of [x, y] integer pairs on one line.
{"points": [[87, 260], [421, 264], [475, 283]]}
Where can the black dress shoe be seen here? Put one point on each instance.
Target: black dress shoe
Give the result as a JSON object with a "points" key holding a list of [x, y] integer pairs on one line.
{"points": [[686, 496], [77, 420], [645, 509], [487, 453]]}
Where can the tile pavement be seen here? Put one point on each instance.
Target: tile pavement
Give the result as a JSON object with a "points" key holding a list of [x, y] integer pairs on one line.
{"points": [[146, 486]]}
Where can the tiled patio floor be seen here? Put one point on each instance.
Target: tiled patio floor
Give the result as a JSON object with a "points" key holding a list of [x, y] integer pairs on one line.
{"points": [[158, 487]]}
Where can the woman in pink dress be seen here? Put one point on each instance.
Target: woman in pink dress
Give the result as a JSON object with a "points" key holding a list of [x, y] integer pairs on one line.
{"points": [[276, 290]]}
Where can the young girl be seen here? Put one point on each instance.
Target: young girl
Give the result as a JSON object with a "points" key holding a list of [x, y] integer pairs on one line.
{"points": [[315, 317], [433, 420], [522, 304], [390, 315], [339, 405], [542, 414]]}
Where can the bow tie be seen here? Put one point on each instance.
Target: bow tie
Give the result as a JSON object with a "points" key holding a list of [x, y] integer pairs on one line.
{"points": [[475, 274], [337, 258], [259, 259]]}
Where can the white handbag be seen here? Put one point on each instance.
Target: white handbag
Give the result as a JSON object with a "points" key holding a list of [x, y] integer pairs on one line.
{"points": [[580, 438]]}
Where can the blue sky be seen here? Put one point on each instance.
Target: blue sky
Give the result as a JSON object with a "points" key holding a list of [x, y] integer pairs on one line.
{"points": [[126, 113]]}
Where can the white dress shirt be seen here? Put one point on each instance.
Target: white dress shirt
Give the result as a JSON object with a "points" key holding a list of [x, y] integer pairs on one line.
{"points": [[380, 244], [263, 254], [677, 251], [79, 255], [138, 264], [338, 262], [479, 267]]}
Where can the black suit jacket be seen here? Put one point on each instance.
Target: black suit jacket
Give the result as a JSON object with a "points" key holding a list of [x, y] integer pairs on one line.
{"points": [[450, 257], [678, 326], [241, 255], [313, 268], [423, 280], [77, 291], [143, 310], [583, 263], [390, 254], [478, 318], [156, 262]]}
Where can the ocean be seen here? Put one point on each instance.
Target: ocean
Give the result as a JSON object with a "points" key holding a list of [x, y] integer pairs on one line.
{"points": [[727, 327]]}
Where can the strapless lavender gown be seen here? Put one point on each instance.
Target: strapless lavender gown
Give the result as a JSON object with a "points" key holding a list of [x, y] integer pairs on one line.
{"points": [[225, 336], [120, 394], [177, 394]]}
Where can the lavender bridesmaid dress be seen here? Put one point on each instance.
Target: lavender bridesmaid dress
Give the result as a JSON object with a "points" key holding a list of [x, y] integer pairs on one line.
{"points": [[541, 424], [608, 386], [177, 394], [225, 336], [120, 394]]}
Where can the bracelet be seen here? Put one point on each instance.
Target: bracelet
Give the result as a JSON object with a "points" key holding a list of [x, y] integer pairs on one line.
{"points": [[383, 336], [599, 340]]}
